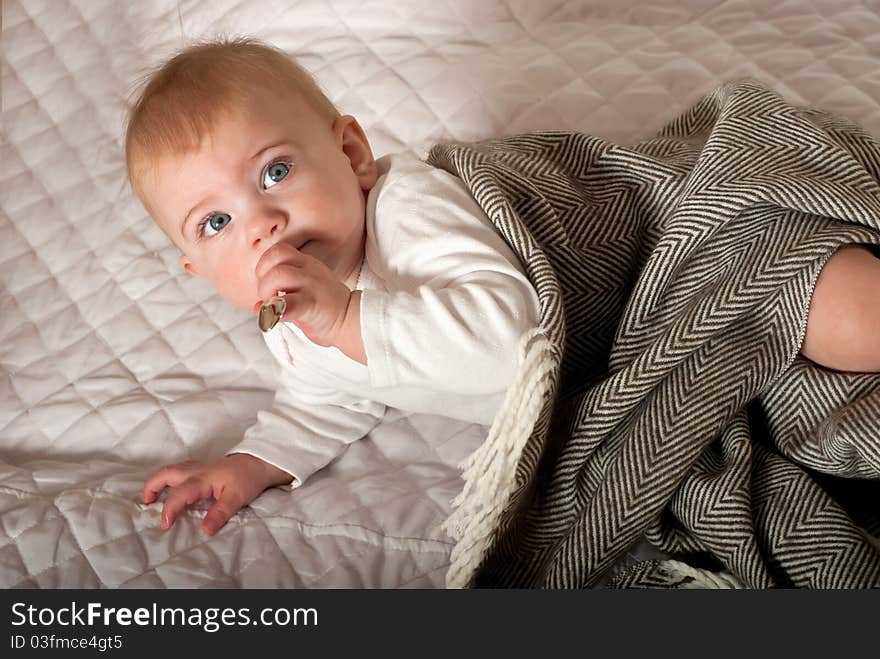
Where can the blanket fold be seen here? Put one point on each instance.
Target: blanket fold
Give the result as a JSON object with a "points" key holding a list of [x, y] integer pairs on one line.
{"points": [[675, 276]]}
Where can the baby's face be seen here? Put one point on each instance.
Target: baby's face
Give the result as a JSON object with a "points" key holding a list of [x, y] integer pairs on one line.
{"points": [[280, 173]]}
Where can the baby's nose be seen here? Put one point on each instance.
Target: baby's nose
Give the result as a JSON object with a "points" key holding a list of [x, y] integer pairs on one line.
{"points": [[265, 225]]}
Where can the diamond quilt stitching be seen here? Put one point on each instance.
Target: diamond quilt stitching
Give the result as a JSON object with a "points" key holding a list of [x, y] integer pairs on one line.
{"points": [[139, 363]]}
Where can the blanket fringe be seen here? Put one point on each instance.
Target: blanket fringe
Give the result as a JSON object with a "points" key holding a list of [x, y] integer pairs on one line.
{"points": [[703, 578], [673, 574], [490, 472]]}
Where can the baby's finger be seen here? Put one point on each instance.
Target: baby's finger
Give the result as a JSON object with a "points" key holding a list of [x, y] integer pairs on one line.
{"points": [[186, 493], [282, 277], [167, 476], [224, 508], [281, 252]]}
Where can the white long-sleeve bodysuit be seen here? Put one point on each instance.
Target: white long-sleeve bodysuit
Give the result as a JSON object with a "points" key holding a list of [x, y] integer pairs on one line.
{"points": [[444, 302]]}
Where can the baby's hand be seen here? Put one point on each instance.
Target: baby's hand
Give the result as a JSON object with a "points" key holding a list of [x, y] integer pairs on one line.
{"points": [[234, 481], [317, 300]]}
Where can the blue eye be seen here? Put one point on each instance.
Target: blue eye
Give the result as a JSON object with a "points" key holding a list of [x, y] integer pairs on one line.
{"points": [[275, 173], [214, 222]]}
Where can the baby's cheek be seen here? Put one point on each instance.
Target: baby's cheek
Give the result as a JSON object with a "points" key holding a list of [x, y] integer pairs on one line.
{"points": [[316, 204], [236, 284]]}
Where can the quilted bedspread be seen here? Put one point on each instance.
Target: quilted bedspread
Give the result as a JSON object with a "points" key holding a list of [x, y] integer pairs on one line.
{"points": [[113, 360]]}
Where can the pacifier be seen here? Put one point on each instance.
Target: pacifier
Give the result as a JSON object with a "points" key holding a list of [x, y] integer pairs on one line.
{"points": [[271, 312]]}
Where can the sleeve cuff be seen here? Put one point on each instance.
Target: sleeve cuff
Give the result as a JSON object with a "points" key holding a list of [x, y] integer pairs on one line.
{"points": [[300, 461], [374, 332]]}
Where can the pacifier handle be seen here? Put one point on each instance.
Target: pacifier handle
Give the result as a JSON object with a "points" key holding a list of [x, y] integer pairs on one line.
{"points": [[271, 312]]}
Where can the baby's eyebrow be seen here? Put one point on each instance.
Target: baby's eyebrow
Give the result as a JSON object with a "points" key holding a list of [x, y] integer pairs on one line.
{"points": [[267, 148]]}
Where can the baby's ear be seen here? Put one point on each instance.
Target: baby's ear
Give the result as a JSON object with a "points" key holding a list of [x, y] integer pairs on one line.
{"points": [[187, 265], [355, 145]]}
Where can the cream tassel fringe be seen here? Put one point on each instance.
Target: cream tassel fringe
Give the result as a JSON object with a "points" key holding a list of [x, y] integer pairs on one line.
{"points": [[703, 578], [490, 472]]}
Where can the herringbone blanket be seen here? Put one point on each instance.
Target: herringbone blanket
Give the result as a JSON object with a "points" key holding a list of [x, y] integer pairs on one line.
{"points": [[675, 278]]}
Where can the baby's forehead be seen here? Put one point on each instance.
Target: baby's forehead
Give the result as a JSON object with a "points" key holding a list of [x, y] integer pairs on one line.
{"points": [[230, 132]]}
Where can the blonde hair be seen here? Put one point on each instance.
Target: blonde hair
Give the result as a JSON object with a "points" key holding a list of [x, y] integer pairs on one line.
{"points": [[185, 96]]}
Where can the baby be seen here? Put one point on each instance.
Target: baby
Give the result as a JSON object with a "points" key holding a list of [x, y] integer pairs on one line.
{"points": [[398, 291]]}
